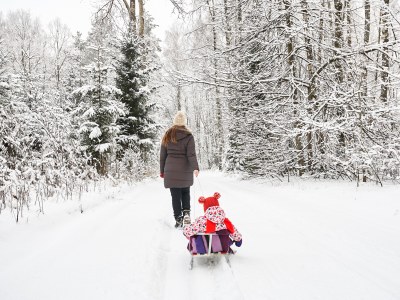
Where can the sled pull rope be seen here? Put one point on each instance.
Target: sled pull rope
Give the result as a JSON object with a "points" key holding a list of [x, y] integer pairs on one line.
{"points": [[193, 205], [195, 197], [201, 189]]}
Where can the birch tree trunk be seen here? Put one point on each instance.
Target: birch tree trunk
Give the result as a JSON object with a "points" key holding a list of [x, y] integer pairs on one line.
{"points": [[179, 96], [338, 38], [338, 45], [385, 49], [228, 29], [218, 105], [364, 77], [311, 86], [348, 22], [367, 29]]}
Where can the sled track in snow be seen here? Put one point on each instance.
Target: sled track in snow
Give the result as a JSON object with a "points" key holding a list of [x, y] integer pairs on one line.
{"points": [[224, 279]]}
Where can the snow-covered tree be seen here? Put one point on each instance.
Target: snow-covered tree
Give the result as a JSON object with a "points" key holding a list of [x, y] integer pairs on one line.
{"points": [[3, 65], [99, 106], [76, 76], [306, 87], [134, 69], [59, 36], [58, 111]]}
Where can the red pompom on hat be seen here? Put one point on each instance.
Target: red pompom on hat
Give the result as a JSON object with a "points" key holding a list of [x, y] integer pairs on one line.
{"points": [[202, 200]]}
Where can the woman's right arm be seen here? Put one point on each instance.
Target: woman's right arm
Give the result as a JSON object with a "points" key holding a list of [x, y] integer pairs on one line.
{"points": [[163, 157], [191, 154]]}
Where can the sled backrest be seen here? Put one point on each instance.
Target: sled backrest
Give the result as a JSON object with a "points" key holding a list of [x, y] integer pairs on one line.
{"points": [[207, 243]]}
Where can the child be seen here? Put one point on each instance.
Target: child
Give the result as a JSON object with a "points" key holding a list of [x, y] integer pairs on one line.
{"points": [[214, 221]]}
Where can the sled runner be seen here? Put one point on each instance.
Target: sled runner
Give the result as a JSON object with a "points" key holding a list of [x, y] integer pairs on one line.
{"points": [[210, 245]]}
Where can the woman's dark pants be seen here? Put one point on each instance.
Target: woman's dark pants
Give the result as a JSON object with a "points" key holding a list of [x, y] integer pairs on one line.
{"points": [[180, 200]]}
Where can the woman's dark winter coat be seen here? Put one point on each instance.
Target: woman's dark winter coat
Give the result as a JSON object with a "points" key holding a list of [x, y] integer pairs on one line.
{"points": [[178, 161]]}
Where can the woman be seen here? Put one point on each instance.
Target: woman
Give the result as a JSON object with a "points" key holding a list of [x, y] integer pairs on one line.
{"points": [[178, 162]]}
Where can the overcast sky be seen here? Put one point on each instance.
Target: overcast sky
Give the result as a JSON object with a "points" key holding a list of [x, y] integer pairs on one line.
{"points": [[76, 13]]}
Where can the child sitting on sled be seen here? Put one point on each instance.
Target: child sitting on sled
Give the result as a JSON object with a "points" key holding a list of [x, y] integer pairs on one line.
{"points": [[212, 221]]}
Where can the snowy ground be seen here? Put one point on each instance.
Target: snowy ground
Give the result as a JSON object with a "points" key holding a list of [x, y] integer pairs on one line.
{"points": [[303, 240]]}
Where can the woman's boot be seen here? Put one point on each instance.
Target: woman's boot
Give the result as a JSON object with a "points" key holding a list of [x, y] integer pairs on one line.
{"points": [[186, 217], [178, 221]]}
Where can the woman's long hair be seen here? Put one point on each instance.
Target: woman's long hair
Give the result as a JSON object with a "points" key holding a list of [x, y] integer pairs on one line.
{"points": [[170, 135]]}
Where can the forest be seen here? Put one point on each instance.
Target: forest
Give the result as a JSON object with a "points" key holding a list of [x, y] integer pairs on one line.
{"points": [[272, 89]]}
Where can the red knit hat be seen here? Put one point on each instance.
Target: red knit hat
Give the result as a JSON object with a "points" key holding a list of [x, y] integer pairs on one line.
{"points": [[213, 201], [210, 201]]}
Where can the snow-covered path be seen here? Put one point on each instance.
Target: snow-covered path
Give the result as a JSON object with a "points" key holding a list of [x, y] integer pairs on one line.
{"points": [[304, 240]]}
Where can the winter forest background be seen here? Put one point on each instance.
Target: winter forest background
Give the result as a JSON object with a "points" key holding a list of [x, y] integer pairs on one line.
{"points": [[271, 89]]}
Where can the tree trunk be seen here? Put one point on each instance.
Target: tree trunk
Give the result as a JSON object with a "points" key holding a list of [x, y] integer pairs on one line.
{"points": [[141, 18], [320, 140], [367, 21], [239, 15], [228, 29], [338, 45], [348, 19], [132, 15], [385, 49], [292, 67], [338, 39], [311, 87], [102, 164], [218, 104], [179, 96], [364, 76], [367, 31], [378, 42]]}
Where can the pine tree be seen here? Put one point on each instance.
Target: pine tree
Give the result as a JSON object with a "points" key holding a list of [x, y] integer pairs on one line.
{"points": [[133, 76], [99, 108]]}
